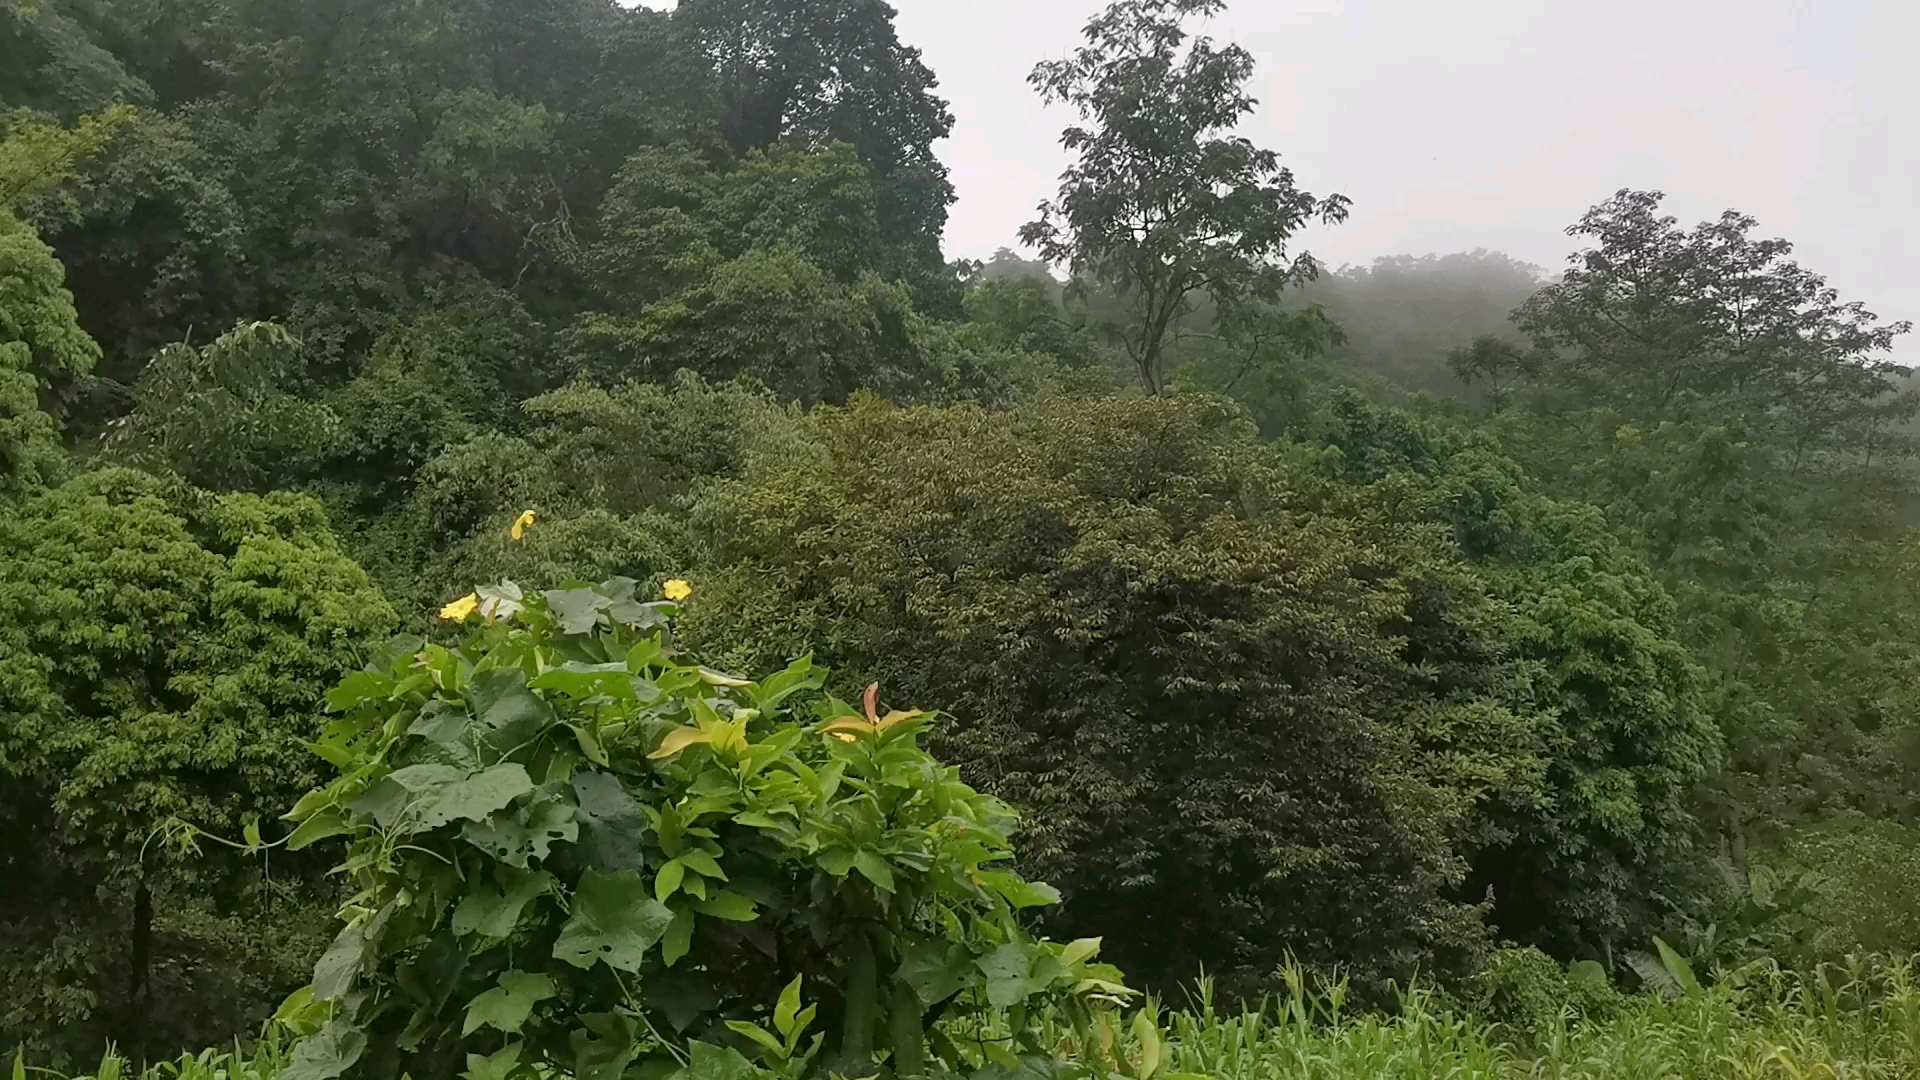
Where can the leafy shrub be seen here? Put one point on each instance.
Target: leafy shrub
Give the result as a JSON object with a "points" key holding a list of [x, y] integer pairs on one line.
{"points": [[162, 656], [1531, 996], [572, 845], [1256, 705]]}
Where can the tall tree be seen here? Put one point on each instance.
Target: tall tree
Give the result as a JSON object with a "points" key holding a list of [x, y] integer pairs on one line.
{"points": [[1164, 206], [814, 72]]}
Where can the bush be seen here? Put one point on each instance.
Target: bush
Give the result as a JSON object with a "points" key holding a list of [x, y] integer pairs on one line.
{"points": [[162, 656], [574, 846]]}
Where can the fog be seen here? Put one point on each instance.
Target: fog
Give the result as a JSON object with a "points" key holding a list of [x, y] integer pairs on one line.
{"points": [[1495, 124]]}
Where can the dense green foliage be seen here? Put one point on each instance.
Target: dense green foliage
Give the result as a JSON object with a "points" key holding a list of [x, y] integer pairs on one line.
{"points": [[1367, 622], [164, 652], [567, 831]]}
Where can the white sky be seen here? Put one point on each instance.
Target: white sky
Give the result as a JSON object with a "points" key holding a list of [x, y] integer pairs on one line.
{"points": [[1496, 123]]}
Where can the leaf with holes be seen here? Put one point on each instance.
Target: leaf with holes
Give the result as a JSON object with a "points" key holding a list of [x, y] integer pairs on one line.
{"points": [[516, 835], [615, 921], [508, 1005]]}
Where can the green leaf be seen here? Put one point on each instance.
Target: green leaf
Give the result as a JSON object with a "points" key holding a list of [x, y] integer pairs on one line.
{"points": [[339, 967], [491, 913], [302, 1015], [614, 921], [359, 688], [836, 861], [730, 906], [317, 828], [500, 602], [515, 836], [1019, 893], [703, 863], [508, 1005], [612, 825], [1017, 971], [498, 1065], [328, 1054], [605, 1049], [421, 798], [678, 940], [937, 970], [1678, 967], [787, 1009], [1146, 1036], [667, 882], [507, 714], [758, 1034], [578, 680], [577, 610], [708, 1062], [874, 869]]}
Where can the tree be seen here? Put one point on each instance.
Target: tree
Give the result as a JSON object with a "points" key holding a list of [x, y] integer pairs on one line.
{"points": [[1254, 704], [41, 341], [815, 72], [1656, 318], [1500, 364], [1162, 205], [165, 652], [1744, 424]]}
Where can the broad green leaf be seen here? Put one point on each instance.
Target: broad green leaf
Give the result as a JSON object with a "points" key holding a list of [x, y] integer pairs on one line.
{"points": [[874, 869], [730, 906], [708, 1062], [703, 863], [317, 828], [667, 882], [678, 940], [937, 970], [500, 602], [494, 914], [577, 680], [339, 967], [1079, 950], [498, 1065], [326, 1055], [1011, 973], [359, 688], [508, 1005], [605, 1048], [516, 835], [611, 823], [302, 1015], [506, 712], [577, 610], [1019, 893], [614, 922], [421, 798], [679, 739]]}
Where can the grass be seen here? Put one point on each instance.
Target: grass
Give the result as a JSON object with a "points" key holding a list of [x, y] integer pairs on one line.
{"points": [[1860, 1022]]}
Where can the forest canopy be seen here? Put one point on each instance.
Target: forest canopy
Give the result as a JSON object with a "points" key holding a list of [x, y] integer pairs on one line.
{"points": [[1363, 618]]}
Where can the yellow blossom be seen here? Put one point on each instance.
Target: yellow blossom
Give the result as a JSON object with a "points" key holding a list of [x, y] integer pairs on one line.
{"points": [[522, 523], [677, 590], [461, 608]]}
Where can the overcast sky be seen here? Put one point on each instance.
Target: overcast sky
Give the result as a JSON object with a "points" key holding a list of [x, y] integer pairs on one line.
{"points": [[1496, 123]]}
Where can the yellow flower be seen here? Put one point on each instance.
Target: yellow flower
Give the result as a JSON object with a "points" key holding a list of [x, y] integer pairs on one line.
{"points": [[677, 590], [461, 608], [521, 524]]}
